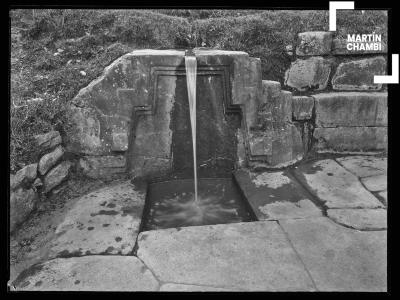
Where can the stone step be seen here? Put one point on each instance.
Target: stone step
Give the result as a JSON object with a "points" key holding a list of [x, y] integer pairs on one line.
{"points": [[351, 109]]}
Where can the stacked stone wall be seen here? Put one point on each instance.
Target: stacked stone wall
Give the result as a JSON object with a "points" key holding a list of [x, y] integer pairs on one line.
{"points": [[335, 105]]}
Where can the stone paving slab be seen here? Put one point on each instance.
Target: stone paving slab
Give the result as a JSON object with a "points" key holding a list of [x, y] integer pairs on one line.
{"points": [[88, 273], [105, 221], [335, 186], [275, 195], [375, 183], [362, 219], [176, 287], [364, 166], [249, 256], [338, 258]]}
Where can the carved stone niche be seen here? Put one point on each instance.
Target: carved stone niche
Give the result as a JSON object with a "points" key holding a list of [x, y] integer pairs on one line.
{"points": [[138, 110]]}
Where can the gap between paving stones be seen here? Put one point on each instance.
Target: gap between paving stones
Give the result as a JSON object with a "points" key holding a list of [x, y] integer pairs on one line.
{"points": [[362, 183], [324, 209], [297, 254]]}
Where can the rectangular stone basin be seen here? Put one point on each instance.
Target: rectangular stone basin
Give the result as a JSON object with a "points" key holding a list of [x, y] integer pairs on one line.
{"points": [[171, 204]]}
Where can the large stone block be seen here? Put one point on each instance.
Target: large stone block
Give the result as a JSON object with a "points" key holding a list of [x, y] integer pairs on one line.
{"points": [[308, 74], [103, 167], [280, 146], [302, 107], [22, 203], [276, 108], [351, 139], [351, 109], [359, 74], [314, 43]]}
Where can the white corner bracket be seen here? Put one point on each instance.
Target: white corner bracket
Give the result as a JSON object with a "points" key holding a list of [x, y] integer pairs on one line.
{"points": [[335, 5], [394, 78]]}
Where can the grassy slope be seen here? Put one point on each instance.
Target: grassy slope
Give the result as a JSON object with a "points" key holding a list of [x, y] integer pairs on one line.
{"points": [[56, 53]]}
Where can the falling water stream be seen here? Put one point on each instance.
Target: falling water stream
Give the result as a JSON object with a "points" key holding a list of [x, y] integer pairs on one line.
{"points": [[191, 73]]}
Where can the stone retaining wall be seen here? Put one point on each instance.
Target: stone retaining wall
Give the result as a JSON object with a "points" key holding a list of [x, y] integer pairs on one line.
{"points": [[335, 104], [38, 179]]}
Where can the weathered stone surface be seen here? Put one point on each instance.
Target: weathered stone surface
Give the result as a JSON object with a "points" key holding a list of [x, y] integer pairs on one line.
{"points": [[48, 140], [103, 167], [125, 103], [361, 219], [271, 89], [375, 183], [56, 175], [103, 222], [89, 273], [22, 203], [120, 141], [279, 146], [356, 139], [302, 107], [23, 177], [50, 159], [176, 287], [275, 195], [308, 74], [249, 256], [339, 47], [359, 74], [383, 196], [351, 109], [338, 258], [314, 43], [364, 166], [335, 186]]}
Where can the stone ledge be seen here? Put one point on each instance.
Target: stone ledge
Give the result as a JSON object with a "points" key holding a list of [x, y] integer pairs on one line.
{"points": [[353, 139], [351, 109]]}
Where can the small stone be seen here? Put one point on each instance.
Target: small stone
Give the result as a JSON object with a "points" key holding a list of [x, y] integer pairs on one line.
{"points": [[361, 219], [56, 175], [302, 107], [22, 203], [375, 183], [37, 183], [48, 140], [384, 196], [314, 43], [25, 176], [359, 74], [120, 141], [271, 89], [83, 73], [49, 160], [308, 74]]}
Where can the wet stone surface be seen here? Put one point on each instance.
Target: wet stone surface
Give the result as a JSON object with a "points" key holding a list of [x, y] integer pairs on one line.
{"points": [[275, 195], [89, 273], [103, 222], [216, 131], [335, 186], [172, 204]]}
